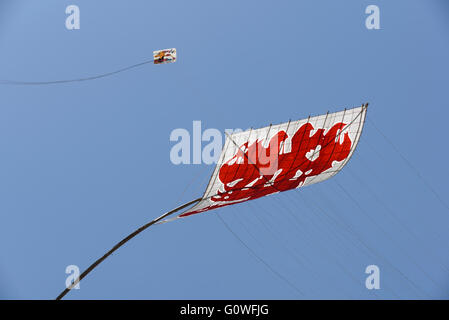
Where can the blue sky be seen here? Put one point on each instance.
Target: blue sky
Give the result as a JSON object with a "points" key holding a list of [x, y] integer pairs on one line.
{"points": [[84, 164]]}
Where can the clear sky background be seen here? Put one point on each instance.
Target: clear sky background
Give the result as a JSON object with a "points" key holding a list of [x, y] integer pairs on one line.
{"points": [[84, 164]]}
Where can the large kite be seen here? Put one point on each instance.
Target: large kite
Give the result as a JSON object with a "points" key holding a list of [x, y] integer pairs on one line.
{"points": [[260, 162]]}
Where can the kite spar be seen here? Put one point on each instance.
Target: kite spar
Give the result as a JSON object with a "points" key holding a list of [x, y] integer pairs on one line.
{"points": [[121, 243], [268, 160]]}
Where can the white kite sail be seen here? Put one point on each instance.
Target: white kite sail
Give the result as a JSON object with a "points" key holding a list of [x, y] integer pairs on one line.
{"points": [[260, 162]]}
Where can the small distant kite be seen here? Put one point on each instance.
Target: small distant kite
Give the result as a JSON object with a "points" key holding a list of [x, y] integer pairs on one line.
{"points": [[164, 56], [260, 162]]}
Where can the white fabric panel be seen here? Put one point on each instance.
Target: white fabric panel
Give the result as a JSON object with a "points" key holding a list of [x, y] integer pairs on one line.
{"points": [[353, 119]]}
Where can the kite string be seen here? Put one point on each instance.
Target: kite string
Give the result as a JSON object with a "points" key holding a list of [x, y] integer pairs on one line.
{"points": [[339, 185], [349, 228], [333, 223], [305, 241], [280, 276], [392, 212], [410, 165], [292, 253], [12, 82], [391, 240]]}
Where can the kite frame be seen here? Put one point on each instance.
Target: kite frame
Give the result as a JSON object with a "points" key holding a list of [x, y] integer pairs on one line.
{"points": [[165, 215]]}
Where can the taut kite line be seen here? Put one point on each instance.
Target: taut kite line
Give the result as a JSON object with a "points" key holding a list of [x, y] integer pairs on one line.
{"points": [[159, 57], [268, 160]]}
